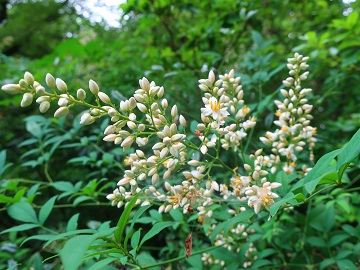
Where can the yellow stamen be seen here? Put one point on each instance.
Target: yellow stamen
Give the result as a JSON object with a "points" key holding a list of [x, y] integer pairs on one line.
{"points": [[245, 110], [214, 105]]}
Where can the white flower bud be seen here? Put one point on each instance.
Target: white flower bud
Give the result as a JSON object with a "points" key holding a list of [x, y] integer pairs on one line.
{"points": [[160, 93], [144, 84], [194, 163], [154, 179], [132, 116], [23, 83], [11, 89], [201, 126], [211, 76], [40, 90], [26, 100], [81, 94], [164, 103], [124, 106], [127, 142], [132, 103], [29, 78], [62, 111], [140, 98], [110, 138], [44, 106], [87, 119], [131, 125], [61, 85], [50, 81], [215, 185], [141, 127], [141, 107], [63, 102], [104, 97], [94, 88], [174, 111], [247, 167], [182, 120], [109, 130]]}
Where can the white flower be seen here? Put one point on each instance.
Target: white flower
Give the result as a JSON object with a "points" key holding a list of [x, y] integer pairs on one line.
{"points": [[213, 109], [258, 196]]}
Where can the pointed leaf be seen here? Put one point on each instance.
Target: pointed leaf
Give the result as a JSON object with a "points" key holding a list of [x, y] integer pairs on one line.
{"points": [[46, 209], [22, 227], [72, 223], [22, 211], [155, 230], [350, 151], [124, 219]]}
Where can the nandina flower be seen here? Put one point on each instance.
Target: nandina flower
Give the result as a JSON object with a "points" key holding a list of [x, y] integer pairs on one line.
{"points": [[213, 108], [258, 196]]}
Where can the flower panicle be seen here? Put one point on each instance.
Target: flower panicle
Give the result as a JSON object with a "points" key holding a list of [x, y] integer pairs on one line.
{"points": [[177, 170]]}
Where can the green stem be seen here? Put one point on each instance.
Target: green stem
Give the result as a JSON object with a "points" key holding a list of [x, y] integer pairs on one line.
{"points": [[182, 257]]}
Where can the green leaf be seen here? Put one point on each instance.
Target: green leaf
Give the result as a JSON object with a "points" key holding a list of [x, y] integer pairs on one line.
{"points": [[64, 186], [155, 230], [330, 178], [337, 239], [344, 205], [102, 263], [177, 215], [46, 209], [20, 228], [74, 250], [123, 219], [63, 235], [316, 241], [346, 264], [321, 168], [275, 207], [34, 128], [259, 263], [350, 151], [22, 211], [146, 259], [134, 220], [43, 237], [326, 262], [135, 239], [6, 199], [72, 223], [3, 165]]}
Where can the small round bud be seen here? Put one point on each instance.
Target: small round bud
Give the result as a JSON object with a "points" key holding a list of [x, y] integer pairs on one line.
{"points": [[50, 80], [174, 111], [11, 88], [104, 97], [26, 100], [81, 94], [87, 119], [29, 78], [23, 83], [62, 111], [61, 85], [94, 88], [40, 90], [44, 106]]}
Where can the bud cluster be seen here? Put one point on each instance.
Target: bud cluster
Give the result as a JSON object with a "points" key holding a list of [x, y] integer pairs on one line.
{"points": [[178, 171], [293, 120]]}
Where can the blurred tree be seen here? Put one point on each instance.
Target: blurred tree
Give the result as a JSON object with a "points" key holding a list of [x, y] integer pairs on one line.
{"points": [[34, 28]]}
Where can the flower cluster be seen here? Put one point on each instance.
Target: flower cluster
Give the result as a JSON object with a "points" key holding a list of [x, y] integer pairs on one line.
{"points": [[293, 113], [162, 148], [231, 242]]}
